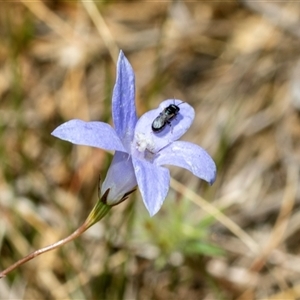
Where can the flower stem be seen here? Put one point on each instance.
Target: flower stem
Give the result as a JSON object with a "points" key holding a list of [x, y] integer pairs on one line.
{"points": [[36, 253], [98, 212]]}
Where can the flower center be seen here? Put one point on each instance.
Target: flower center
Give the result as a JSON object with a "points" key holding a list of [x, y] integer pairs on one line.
{"points": [[143, 147], [143, 143]]}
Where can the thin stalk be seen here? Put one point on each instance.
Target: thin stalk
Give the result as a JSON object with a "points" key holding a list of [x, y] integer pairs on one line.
{"points": [[36, 253], [98, 212]]}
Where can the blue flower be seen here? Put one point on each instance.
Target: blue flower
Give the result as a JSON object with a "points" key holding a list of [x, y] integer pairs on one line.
{"points": [[140, 154]]}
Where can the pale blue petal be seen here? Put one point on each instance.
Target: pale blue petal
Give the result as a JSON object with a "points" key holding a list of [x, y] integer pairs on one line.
{"points": [[153, 182], [95, 134], [171, 132], [120, 178], [189, 156], [123, 101]]}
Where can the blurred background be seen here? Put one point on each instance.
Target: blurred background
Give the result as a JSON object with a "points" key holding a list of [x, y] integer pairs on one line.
{"points": [[237, 63]]}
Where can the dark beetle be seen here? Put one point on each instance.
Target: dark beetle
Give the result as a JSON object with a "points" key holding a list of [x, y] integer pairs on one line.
{"points": [[165, 117]]}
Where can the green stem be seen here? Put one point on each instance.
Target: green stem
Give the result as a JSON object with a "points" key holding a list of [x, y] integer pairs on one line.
{"points": [[98, 212]]}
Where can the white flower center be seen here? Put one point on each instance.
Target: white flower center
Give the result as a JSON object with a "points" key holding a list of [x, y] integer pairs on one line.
{"points": [[143, 143]]}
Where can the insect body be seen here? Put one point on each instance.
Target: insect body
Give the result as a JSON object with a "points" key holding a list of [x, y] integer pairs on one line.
{"points": [[165, 117]]}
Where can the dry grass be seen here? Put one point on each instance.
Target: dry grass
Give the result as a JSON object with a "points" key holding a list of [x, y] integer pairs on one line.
{"points": [[237, 63]]}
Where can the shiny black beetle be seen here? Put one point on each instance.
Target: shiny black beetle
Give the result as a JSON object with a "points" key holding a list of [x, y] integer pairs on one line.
{"points": [[165, 117]]}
